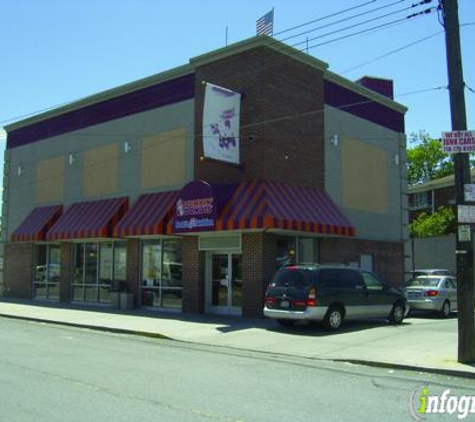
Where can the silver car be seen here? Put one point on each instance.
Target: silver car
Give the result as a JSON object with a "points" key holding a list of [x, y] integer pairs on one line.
{"points": [[433, 293]]}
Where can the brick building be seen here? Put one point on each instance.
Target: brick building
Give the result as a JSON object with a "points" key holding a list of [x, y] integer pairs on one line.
{"points": [[429, 196], [94, 192]]}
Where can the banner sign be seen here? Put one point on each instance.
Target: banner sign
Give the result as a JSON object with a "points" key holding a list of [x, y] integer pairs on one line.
{"points": [[458, 141], [196, 208], [221, 114]]}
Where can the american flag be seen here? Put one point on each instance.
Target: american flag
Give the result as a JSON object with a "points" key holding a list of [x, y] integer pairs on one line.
{"points": [[265, 25]]}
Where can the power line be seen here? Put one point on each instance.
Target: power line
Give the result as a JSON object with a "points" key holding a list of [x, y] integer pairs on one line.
{"points": [[389, 53], [383, 26], [358, 24], [370, 29], [470, 89], [326, 17], [342, 20]]}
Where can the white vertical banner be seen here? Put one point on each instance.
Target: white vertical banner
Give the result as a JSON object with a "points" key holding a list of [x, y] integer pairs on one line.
{"points": [[221, 114]]}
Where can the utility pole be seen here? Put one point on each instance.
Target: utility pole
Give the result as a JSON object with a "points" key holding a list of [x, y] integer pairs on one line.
{"points": [[464, 249]]}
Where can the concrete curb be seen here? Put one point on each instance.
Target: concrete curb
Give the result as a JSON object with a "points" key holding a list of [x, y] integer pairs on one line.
{"points": [[90, 327], [405, 367], [376, 364]]}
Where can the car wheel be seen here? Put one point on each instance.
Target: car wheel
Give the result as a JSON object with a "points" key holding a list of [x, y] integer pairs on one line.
{"points": [[445, 311], [286, 322], [334, 318], [397, 313]]}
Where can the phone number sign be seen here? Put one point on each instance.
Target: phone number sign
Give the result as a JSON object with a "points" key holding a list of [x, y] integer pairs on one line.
{"points": [[458, 141]]}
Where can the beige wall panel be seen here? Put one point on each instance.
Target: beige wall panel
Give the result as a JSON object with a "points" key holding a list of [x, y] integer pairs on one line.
{"points": [[100, 172], [365, 187], [50, 180], [163, 159]]}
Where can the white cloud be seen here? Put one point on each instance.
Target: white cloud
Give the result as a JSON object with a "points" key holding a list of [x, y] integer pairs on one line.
{"points": [[3, 134]]}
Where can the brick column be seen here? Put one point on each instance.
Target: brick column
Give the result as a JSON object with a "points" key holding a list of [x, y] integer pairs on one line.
{"points": [[259, 251], [18, 270], [66, 272], [193, 276], [133, 268]]}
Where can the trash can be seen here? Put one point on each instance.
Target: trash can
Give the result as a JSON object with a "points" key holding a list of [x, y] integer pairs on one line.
{"points": [[126, 301]]}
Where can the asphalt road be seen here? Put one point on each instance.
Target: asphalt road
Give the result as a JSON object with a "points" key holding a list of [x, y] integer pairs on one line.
{"points": [[51, 373]]}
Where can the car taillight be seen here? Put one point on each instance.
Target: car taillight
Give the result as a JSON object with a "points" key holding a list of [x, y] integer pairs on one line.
{"points": [[312, 297], [298, 302], [270, 301], [431, 293]]}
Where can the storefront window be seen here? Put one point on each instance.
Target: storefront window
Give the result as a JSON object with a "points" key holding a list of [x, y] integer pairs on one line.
{"points": [[95, 265], [307, 249], [285, 250], [162, 273], [296, 249], [47, 272]]}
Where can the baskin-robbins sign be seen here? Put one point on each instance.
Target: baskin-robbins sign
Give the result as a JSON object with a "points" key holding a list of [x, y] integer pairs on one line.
{"points": [[221, 115], [195, 208]]}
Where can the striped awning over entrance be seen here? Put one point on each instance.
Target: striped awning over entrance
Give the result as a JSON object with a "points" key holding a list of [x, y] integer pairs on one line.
{"points": [[278, 205], [91, 219], [148, 215], [36, 225]]}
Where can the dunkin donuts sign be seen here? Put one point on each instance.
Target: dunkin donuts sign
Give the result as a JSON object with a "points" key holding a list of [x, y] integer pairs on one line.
{"points": [[195, 208]]}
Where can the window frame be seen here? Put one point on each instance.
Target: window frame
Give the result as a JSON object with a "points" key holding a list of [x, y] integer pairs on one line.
{"points": [[160, 287]]}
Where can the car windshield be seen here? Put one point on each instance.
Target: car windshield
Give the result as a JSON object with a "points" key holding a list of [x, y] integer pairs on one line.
{"points": [[425, 282], [292, 277]]}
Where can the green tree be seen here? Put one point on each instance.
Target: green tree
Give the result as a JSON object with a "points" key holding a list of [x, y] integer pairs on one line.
{"points": [[426, 160], [437, 223]]}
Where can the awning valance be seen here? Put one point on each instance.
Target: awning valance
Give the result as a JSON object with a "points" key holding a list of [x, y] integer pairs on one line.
{"points": [[148, 215], [89, 219], [278, 205], [36, 225], [260, 204]]}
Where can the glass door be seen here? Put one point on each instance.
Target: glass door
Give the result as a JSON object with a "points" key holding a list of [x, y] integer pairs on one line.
{"points": [[224, 283]]}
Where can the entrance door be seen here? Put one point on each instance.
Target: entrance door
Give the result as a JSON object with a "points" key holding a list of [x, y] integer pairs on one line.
{"points": [[224, 283]]}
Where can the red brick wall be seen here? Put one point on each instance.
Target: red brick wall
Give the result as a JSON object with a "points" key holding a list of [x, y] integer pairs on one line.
{"points": [[133, 268], [66, 271], [193, 276], [274, 88], [18, 270], [258, 266], [388, 257]]}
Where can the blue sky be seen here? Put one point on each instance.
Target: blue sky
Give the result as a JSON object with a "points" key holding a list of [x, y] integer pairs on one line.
{"points": [[57, 51]]}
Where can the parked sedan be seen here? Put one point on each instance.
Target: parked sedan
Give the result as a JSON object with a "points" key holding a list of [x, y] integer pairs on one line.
{"points": [[434, 293]]}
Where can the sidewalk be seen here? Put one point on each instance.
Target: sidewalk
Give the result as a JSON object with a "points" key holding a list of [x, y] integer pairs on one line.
{"points": [[425, 344]]}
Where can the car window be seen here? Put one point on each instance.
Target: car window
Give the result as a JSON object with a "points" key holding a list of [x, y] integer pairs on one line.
{"points": [[371, 282], [425, 282], [340, 278], [450, 284], [292, 277]]}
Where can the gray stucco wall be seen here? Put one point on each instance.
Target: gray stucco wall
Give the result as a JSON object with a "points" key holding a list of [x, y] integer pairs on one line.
{"points": [[384, 226], [20, 191]]}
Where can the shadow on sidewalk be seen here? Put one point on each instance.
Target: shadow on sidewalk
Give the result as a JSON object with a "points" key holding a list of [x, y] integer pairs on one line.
{"points": [[226, 323], [317, 329]]}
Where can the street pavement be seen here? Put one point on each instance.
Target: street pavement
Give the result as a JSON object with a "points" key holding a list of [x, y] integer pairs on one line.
{"points": [[51, 373], [421, 343]]}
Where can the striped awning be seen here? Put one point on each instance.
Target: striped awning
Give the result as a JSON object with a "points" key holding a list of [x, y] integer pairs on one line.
{"points": [[36, 225], [277, 205], [149, 215], [91, 219]]}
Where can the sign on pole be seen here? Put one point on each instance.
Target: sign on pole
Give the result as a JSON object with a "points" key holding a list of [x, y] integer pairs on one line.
{"points": [[466, 214], [458, 141], [469, 192]]}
